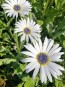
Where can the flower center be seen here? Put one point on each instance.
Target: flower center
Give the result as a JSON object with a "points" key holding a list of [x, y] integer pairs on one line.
{"points": [[27, 31], [17, 7], [42, 58]]}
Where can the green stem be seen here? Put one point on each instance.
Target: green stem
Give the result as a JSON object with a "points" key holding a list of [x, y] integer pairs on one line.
{"points": [[43, 85], [17, 41], [5, 16], [16, 20], [8, 28], [9, 22]]}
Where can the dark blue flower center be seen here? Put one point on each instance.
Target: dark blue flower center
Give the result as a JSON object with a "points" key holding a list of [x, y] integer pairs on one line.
{"points": [[27, 31], [16, 7], [42, 58]]}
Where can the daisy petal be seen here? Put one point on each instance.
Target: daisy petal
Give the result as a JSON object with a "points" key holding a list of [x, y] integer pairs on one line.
{"points": [[30, 48], [52, 72], [53, 48], [22, 38], [57, 54], [36, 71], [28, 53], [31, 67], [48, 74], [55, 69], [43, 75], [28, 60], [56, 51], [50, 45], [57, 66], [45, 44], [40, 45]]}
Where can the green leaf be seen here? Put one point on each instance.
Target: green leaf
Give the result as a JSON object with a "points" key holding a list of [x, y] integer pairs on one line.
{"points": [[2, 25], [5, 37], [4, 50], [19, 68], [40, 22], [0, 33], [20, 85], [59, 83], [64, 43], [51, 15], [6, 61], [29, 83], [59, 4]]}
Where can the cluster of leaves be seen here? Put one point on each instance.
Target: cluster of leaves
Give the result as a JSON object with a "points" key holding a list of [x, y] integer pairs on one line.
{"points": [[50, 15]]}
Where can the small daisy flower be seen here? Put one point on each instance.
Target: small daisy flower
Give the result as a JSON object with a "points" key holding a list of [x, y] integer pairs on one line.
{"points": [[28, 29], [42, 56], [15, 7]]}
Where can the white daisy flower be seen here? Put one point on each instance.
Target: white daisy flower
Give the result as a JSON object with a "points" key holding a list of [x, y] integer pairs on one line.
{"points": [[28, 29], [42, 56], [15, 7]]}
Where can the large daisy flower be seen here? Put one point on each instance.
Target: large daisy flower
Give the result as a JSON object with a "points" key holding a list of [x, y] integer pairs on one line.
{"points": [[28, 29], [13, 7], [42, 56]]}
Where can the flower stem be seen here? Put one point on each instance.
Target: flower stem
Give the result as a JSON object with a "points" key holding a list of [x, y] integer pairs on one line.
{"points": [[43, 85], [6, 17], [17, 44], [16, 20], [17, 41], [9, 22]]}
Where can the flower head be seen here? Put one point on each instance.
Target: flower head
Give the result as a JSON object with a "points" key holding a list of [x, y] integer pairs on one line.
{"points": [[15, 7], [42, 56], [28, 29]]}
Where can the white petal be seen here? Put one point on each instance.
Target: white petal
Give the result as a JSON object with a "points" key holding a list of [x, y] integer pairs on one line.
{"points": [[56, 51], [43, 76], [56, 54], [40, 45], [48, 74], [16, 14], [36, 35], [30, 48], [55, 69], [9, 2], [31, 67], [28, 60], [22, 38], [37, 47], [36, 71], [32, 39], [17, 30], [45, 44], [28, 53], [27, 39], [54, 48], [20, 33], [50, 45], [52, 72], [57, 66], [56, 58]]}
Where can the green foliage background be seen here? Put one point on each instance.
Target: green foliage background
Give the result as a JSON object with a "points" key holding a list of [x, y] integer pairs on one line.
{"points": [[50, 14]]}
